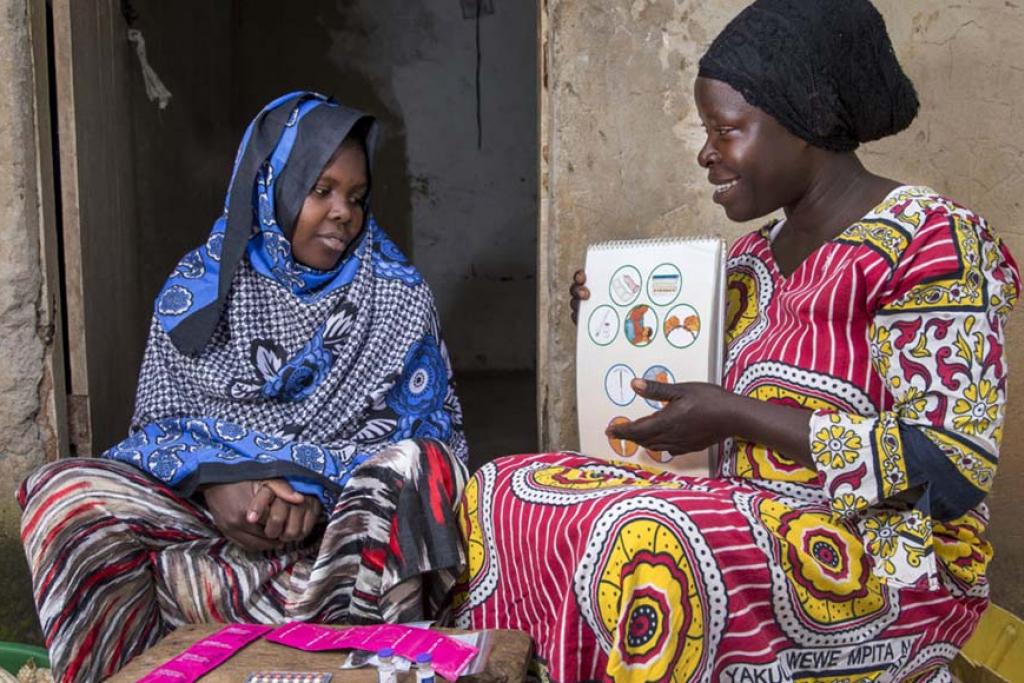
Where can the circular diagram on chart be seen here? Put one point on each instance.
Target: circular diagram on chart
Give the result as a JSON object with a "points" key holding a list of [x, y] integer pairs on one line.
{"points": [[641, 325], [625, 285], [617, 384], [658, 456], [682, 326], [664, 284], [627, 449], [658, 373], [603, 325]]}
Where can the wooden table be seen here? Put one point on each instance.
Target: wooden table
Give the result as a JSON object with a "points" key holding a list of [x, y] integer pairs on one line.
{"points": [[510, 654]]}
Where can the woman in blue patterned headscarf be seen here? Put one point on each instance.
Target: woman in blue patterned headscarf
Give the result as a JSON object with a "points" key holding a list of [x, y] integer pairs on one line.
{"points": [[296, 447]]}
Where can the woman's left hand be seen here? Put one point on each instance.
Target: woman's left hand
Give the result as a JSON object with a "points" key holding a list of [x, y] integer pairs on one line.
{"points": [[695, 416]]}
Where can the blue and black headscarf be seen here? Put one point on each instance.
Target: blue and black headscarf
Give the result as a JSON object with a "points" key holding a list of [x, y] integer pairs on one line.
{"points": [[258, 366]]}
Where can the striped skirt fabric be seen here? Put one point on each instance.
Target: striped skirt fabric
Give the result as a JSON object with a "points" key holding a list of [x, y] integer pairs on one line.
{"points": [[118, 560]]}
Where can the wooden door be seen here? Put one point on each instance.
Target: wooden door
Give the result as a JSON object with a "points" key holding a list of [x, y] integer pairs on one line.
{"points": [[92, 65]]}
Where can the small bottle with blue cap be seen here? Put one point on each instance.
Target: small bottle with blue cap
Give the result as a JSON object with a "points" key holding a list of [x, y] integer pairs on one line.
{"points": [[424, 668], [386, 672]]}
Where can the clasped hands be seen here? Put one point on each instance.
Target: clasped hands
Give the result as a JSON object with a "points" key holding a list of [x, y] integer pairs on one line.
{"points": [[261, 514]]}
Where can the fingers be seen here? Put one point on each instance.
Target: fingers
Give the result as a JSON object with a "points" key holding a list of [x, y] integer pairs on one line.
{"points": [[642, 431], [620, 430], [259, 504], [301, 520], [656, 391], [312, 515], [577, 289], [578, 292], [277, 518], [308, 522], [295, 523], [282, 489]]}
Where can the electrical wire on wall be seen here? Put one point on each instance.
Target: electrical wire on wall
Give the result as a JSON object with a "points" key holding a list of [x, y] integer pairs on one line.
{"points": [[474, 9], [479, 117]]}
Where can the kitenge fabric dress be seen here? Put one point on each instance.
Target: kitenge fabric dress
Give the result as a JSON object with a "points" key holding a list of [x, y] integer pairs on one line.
{"points": [[337, 381], [870, 569]]}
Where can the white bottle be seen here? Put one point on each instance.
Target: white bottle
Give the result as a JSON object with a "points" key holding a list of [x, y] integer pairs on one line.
{"points": [[386, 666], [424, 668]]}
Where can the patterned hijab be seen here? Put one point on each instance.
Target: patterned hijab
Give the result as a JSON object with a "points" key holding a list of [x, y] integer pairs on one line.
{"points": [[258, 366]]}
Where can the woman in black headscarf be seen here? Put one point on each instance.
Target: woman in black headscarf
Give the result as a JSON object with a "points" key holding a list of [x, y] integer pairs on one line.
{"points": [[861, 409]]}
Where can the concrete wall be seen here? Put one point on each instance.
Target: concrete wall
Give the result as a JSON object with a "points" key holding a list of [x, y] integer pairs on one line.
{"points": [[26, 400], [620, 138]]}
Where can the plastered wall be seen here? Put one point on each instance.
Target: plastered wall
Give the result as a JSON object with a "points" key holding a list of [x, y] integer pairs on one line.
{"points": [[26, 400], [620, 135]]}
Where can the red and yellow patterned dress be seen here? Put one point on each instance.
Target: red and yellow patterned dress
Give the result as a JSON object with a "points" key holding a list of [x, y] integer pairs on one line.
{"points": [[871, 568]]}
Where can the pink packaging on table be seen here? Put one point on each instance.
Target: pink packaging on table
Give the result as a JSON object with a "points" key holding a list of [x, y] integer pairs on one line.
{"points": [[450, 657], [206, 655]]}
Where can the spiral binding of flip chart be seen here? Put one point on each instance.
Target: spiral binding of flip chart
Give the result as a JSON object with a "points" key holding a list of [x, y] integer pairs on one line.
{"points": [[651, 242]]}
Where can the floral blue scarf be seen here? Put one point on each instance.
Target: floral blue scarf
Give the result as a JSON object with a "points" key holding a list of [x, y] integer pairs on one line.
{"points": [[258, 366]]}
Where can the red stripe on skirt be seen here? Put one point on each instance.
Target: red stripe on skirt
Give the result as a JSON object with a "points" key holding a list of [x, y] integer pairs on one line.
{"points": [[47, 504]]}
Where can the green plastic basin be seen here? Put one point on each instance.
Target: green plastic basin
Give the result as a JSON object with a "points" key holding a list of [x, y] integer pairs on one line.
{"points": [[14, 655]]}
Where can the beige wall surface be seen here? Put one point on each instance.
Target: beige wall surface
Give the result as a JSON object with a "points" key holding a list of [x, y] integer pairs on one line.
{"points": [[26, 395], [619, 140]]}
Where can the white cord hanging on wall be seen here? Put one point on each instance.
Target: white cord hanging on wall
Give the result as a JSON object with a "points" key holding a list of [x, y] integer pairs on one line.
{"points": [[155, 89]]}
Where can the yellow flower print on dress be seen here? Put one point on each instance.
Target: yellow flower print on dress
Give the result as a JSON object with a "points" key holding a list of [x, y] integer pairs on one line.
{"points": [[915, 524], [968, 461], [963, 550], [978, 409], [977, 471], [848, 505], [895, 475], [827, 556], [579, 479], [912, 404], [742, 304], [470, 527], [881, 349], [835, 446], [649, 599], [829, 573], [881, 537], [826, 583], [852, 418]]}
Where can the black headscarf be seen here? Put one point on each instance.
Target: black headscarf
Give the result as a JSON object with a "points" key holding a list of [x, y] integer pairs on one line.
{"points": [[824, 69]]}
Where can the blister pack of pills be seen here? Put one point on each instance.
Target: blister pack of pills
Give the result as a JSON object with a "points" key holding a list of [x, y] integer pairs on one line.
{"points": [[289, 677]]}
